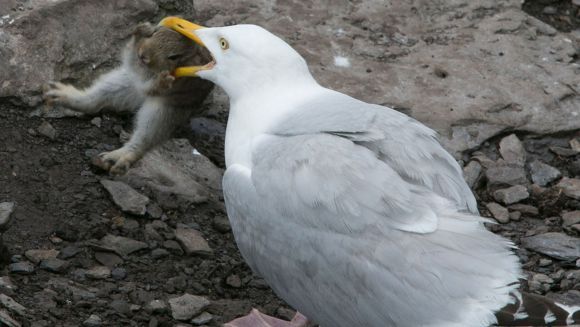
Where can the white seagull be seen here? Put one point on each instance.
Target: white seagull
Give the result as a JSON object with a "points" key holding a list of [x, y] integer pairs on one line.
{"points": [[352, 212]]}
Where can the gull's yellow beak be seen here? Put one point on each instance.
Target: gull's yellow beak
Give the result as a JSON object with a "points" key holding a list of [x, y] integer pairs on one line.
{"points": [[187, 29]]}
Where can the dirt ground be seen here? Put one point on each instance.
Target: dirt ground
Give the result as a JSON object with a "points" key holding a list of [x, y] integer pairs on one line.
{"points": [[62, 205]]}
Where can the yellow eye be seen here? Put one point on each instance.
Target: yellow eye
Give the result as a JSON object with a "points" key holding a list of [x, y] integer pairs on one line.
{"points": [[224, 44]]}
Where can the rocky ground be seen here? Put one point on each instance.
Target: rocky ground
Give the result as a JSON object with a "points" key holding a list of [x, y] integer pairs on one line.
{"points": [[154, 248]]}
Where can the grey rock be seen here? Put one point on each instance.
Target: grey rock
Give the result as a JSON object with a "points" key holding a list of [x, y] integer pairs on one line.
{"points": [[173, 247], [93, 321], [156, 307], [187, 306], [98, 272], [38, 255], [6, 210], [525, 209], [512, 150], [13, 306], [22, 267], [544, 262], [192, 241], [54, 265], [126, 197], [121, 307], [575, 144], [571, 187], [69, 252], [543, 174], [515, 216], [472, 172], [234, 281], [512, 194], [571, 218], [563, 152], [176, 176], [500, 213], [540, 283], [501, 175], [154, 210], [97, 121], [119, 273], [202, 319], [46, 129], [78, 291], [549, 10], [221, 224], [7, 320], [108, 259], [122, 245], [7, 286], [159, 253], [556, 245]]}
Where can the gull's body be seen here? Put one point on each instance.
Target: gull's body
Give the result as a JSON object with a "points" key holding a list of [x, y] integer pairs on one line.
{"points": [[353, 213]]}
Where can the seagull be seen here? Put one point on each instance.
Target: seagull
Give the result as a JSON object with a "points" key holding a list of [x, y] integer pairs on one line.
{"points": [[352, 212]]}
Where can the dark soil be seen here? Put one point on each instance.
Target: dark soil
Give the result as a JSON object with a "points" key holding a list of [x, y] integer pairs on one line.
{"points": [[58, 194], [562, 14]]}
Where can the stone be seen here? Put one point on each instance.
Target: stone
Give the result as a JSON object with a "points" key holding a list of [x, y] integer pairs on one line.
{"points": [[192, 242], [563, 152], [556, 245], [472, 172], [159, 253], [512, 194], [6, 210], [544, 262], [122, 245], [515, 215], [512, 150], [54, 265], [22, 267], [543, 174], [69, 252], [119, 273], [570, 218], [108, 259], [98, 272], [221, 224], [121, 306], [575, 144], [202, 319], [234, 281], [175, 176], [156, 307], [498, 212], [45, 129], [38, 255], [11, 305], [173, 247], [7, 320], [93, 321], [525, 209], [570, 187], [502, 175], [7, 286], [97, 121], [126, 197], [540, 283], [550, 10], [187, 306]]}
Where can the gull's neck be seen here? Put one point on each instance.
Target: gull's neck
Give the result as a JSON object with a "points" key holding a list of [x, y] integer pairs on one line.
{"points": [[254, 112]]}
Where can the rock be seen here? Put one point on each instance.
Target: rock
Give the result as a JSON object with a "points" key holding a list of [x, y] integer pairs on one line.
{"points": [[23, 267], [121, 307], [93, 321], [54, 265], [549, 10], [221, 224], [505, 175], [571, 187], [563, 152], [98, 272], [187, 306], [192, 241], [234, 281], [6, 209], [108, 259], [154, 210], [7, 286], [38, 255], [45, 129], [575, 144], [7, 320], [574, 168], [202, 319], [540, 283], [515, 215], [176, 177], [543, 174], [122, 245], [512, 150], [97, 121], [126, 197], [119, 273], [156, 307], [556, 245], [13, 306], [159, 253], [173, 247], [471, 172], [571, 218], [544, 262], [69, 252], [525, 209], [512, 194], [498, 212]]}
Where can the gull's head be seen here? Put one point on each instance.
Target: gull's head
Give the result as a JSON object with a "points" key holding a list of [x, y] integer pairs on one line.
{"points": [[245, 57]]}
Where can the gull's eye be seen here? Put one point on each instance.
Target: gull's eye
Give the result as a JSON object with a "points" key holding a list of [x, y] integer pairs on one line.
{"points": [[224, 44]]}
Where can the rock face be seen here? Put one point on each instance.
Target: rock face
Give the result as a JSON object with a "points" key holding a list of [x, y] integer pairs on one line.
{"points": [[70, 39], [555, 245], [472, 72]]}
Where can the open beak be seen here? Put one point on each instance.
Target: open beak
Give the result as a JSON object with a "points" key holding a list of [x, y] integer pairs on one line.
{"points": [[187, 29]]}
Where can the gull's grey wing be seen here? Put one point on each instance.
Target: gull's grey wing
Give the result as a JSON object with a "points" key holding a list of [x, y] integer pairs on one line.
{"points": [[408, 147]]}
